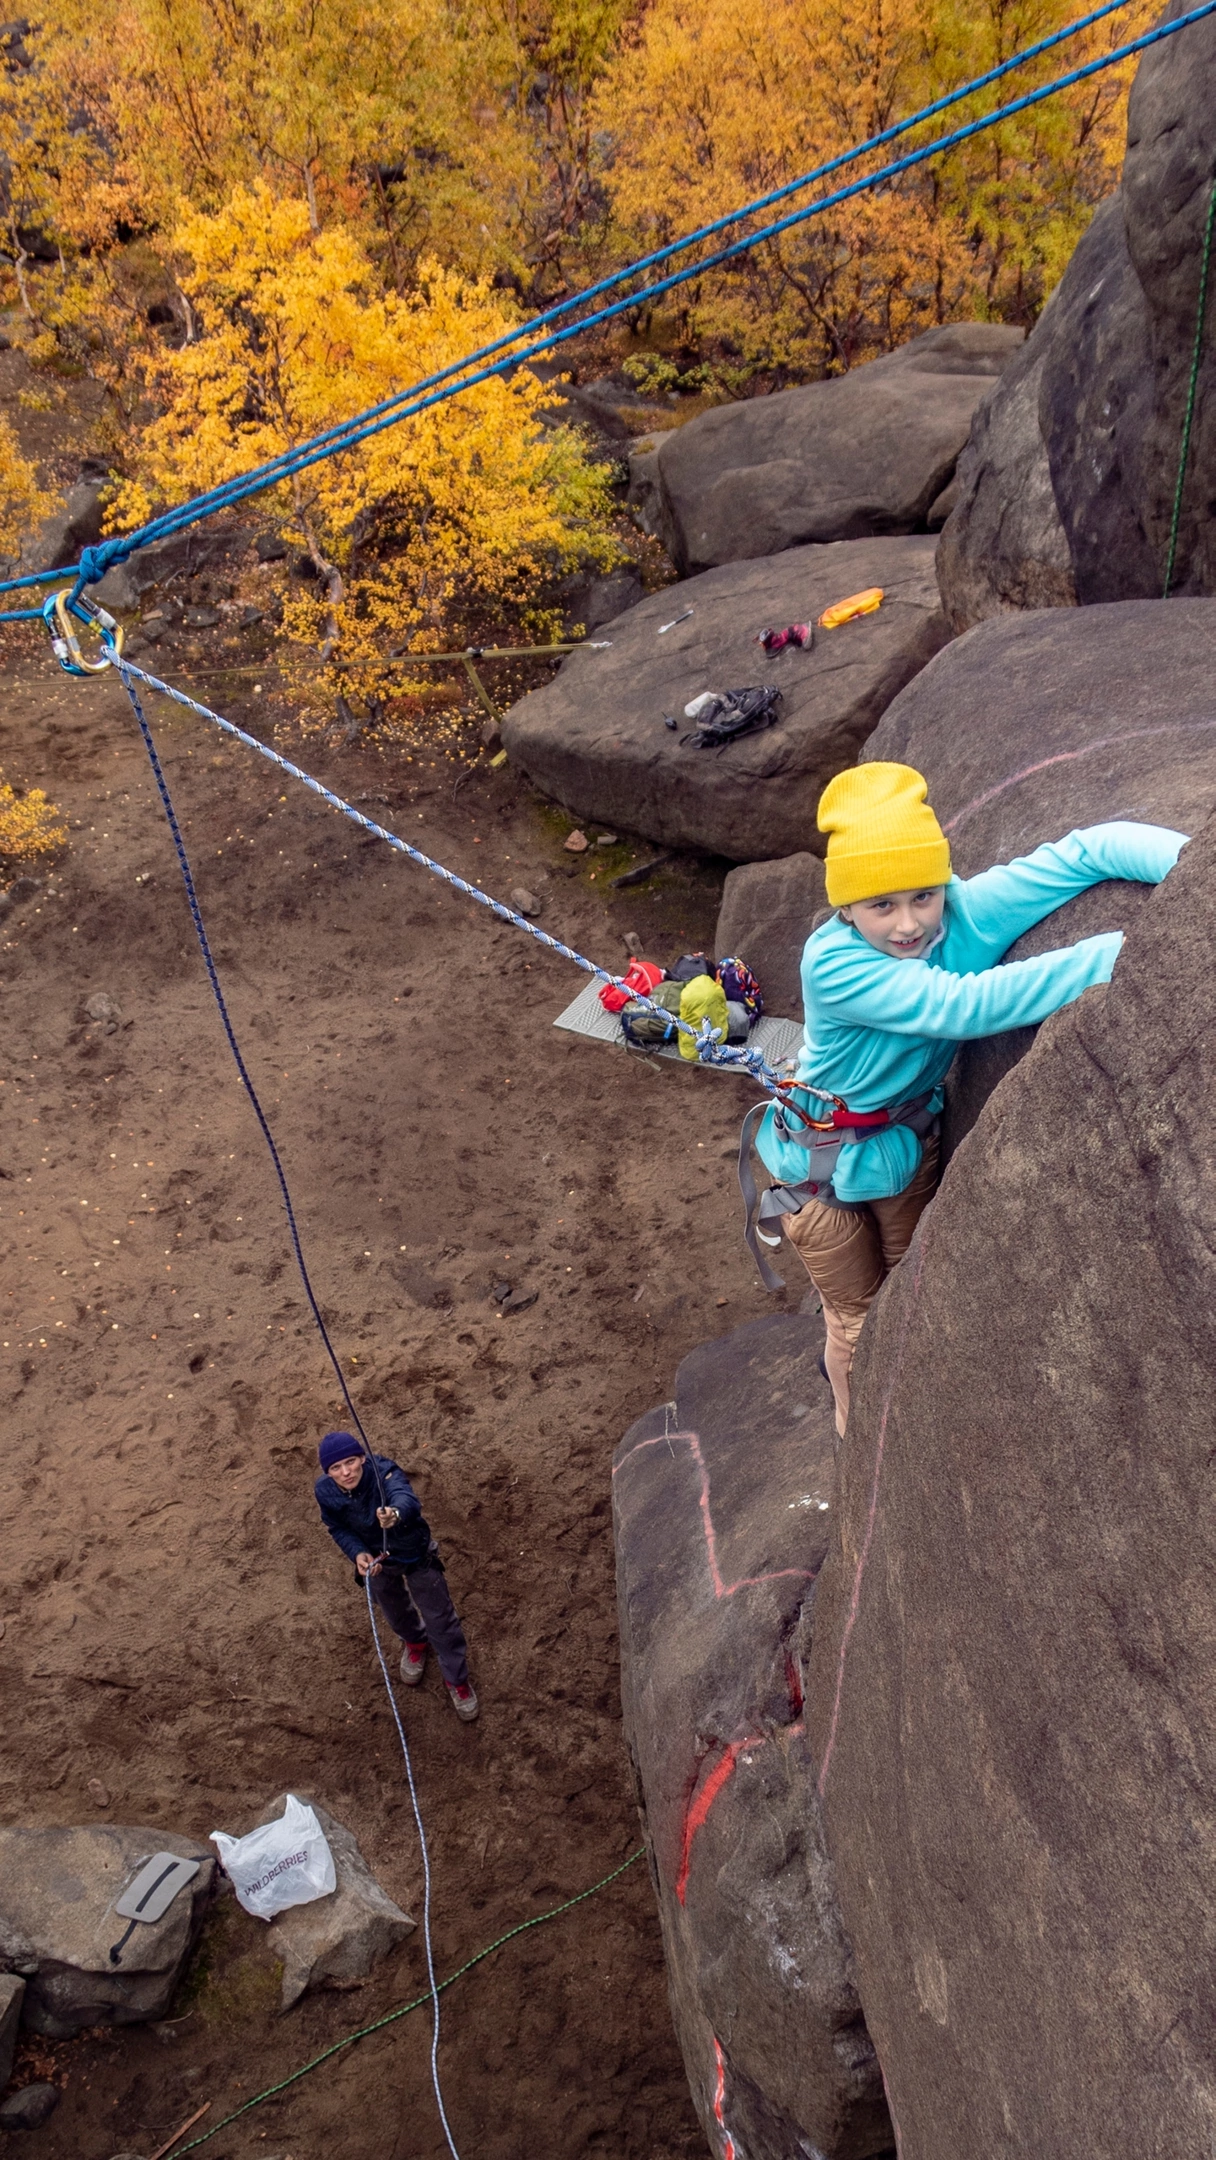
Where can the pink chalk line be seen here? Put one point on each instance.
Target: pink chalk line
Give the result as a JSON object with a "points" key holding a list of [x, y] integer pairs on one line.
{"points": [[871, 1516], [1069, 757]]}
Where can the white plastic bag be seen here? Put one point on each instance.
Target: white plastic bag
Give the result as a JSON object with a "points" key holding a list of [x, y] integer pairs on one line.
{"points": [[282, 1863]]}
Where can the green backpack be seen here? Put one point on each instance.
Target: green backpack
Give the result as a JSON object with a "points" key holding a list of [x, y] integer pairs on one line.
{"points": [[646, 1030]]}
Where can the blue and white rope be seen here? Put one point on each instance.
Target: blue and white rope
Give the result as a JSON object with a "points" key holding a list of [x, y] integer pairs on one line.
{"points": [[709, 1050]]}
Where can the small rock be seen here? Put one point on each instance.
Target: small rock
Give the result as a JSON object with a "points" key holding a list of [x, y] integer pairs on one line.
{"points": [[519, 1301], [104, 1010], [248, 617], [501, 1290], [98, 1793], [577, 843], [524, 902], [269, 548], [490, 737], [339, 1937], [201, 618], [606, 839], [22, 888], [29, 2108], [632, 942]]}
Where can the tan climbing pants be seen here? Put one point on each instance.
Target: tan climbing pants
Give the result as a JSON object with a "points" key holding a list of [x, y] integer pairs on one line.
{"points": [[848, 1254]]}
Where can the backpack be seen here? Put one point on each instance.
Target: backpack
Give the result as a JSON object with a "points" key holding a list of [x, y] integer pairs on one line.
{"points": [[740, 985], [646, 1030], [642, 977], [733, 714], [688, 968]]}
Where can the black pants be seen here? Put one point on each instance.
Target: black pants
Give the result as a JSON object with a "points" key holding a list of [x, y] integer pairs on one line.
{"points": [[419, 1608]]}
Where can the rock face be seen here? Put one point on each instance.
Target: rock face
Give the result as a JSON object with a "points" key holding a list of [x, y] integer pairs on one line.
{"points": [[1013, 1696], [1112, 359], [867, 453], [57, 1924], [12, 1994], [1003, 546], [1033, 724], [722, 1505], [768, 912], [339, 1937], [595, 738]]}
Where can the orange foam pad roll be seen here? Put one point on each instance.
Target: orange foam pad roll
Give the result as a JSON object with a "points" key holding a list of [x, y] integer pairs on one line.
{"points": [[858, 603]]}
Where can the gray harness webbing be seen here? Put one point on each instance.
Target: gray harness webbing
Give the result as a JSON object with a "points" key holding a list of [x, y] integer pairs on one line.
{"points": [[763, 1211]]}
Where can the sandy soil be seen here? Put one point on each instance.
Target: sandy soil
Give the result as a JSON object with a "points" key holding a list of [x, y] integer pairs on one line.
{"points": [[176, 1625]]}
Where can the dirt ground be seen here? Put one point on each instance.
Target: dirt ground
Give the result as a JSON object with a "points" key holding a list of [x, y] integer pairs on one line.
{"points": [[176, 1626]]}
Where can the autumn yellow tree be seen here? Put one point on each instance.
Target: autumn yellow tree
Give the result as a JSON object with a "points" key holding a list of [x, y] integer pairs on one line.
{"points": [[711, 102], [473, 504]]}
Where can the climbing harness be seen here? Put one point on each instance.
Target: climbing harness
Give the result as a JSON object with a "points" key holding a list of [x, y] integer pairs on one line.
{"points": [[1192, 388], [95, 561], [823, 1138]]}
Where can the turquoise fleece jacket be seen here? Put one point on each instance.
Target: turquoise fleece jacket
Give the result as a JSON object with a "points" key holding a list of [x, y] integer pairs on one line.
{"points": [[881, 1031]]}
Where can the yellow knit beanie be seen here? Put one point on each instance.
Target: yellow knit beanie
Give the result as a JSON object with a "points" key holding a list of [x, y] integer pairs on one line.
{"points": [[882, 835]]}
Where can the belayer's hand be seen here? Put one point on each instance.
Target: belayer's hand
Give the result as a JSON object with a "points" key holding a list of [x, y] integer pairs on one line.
{"points": [[386, 1517], [366, 1565]]}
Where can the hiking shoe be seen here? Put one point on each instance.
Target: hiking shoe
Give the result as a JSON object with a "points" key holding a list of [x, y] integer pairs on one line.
{"points": [[413, 1663], [464, 1702]]}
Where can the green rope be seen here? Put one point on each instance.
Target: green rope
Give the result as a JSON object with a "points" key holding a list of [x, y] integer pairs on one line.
{"points": [[404, 2011], [1196, 357]]}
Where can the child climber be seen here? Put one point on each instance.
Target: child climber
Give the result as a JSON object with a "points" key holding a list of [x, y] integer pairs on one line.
{"points": [[904, 971]]}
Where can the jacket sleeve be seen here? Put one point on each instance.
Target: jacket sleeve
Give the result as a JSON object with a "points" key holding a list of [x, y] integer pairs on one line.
{"points": [[343, 1538], [1003, 902], [909, 997], [399, 1493]]}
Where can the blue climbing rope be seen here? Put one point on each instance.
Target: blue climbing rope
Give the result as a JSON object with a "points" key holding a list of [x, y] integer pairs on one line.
{"points": [[95, 561]]}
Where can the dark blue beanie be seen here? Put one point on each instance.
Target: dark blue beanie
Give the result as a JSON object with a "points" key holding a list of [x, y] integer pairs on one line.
{"points": [[336, 1447]]}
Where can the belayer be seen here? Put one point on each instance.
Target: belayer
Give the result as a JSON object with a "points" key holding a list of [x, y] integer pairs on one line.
{"points": [[902, 973], [373, 1515]]}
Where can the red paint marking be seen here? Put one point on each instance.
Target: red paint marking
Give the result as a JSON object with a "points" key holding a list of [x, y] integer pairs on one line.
{"points": [[696, 1813], [730, 2150], [703, 1799], [1069, 757], [872, 1515], [721, 1589]]}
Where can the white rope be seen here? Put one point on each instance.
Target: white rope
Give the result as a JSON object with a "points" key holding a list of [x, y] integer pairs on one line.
{"points": [[426, 1873]]}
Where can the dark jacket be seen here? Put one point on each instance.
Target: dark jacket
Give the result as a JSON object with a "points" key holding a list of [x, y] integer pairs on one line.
{"points": [[350, 1517]]}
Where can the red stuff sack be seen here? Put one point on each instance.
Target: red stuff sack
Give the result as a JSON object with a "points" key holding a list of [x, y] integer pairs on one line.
{"points": [[642, 977]]}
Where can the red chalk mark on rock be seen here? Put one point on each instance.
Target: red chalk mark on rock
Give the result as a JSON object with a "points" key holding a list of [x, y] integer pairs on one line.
{"points": [[703, 1799], [730, 2150], [703, 1796], [696, 1814], [721, 1589]]}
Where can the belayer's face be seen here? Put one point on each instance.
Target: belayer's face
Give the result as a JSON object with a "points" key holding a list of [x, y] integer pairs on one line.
{"points": [[902, 925], [348, 1472]]}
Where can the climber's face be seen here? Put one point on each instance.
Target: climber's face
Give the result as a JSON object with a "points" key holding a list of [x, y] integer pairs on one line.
{"points": [[903, 924]]}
